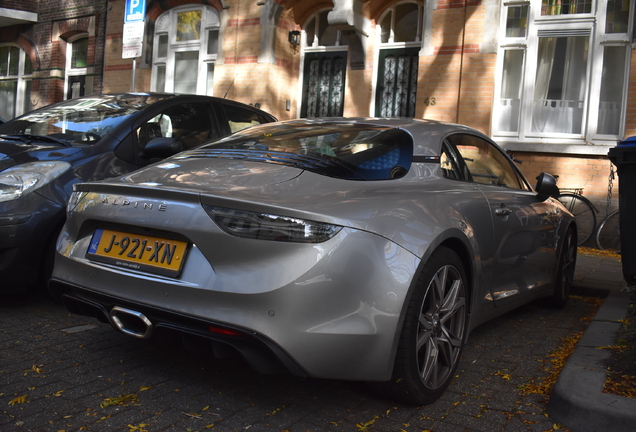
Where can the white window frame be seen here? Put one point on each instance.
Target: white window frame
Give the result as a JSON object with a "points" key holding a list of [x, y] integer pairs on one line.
{"points": [[22, 79], [166, 25], [70, 71], [561, 25]]}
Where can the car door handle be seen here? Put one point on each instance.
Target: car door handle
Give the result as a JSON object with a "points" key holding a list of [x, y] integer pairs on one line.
{"points": [[503, 211]]}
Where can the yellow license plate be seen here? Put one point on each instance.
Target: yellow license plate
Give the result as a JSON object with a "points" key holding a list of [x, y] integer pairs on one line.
{"points": [[138, 252]]}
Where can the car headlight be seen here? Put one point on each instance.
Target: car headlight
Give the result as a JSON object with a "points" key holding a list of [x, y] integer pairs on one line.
{"points": [[21, 180], [264, 226]]}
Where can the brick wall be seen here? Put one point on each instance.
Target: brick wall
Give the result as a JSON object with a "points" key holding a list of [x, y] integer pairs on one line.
{"points": [[589, 173], [45, 42], [457, 81]]}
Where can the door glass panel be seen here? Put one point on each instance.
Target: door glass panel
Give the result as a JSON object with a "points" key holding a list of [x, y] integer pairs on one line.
{"points": [[210, 81], [566, 7], [186, 71], [509, 101], [79, 53], [188, 26], [27, 105], [161, 79], [327, 35], [213, 41], [611, 98], [28, 66], [517, 21], [386, 28], [9, 61], [162, 48], [561, 84], [310, 32], [617, 16], [8, 92], [406, 22]]}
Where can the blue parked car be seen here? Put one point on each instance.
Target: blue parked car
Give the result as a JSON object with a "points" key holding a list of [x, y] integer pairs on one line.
{"points": [[44, 152]]}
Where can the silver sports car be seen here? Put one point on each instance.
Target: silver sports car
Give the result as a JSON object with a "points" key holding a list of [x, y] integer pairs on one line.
{"points": [[358, 249]]}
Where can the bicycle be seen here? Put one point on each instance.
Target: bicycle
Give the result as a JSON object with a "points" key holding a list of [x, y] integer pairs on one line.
{"points": [[583, 209], [608, 233]]}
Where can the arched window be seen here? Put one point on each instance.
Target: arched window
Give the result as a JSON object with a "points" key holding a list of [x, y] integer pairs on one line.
{"points": [[324, 70], [76, 66], [15, 82], [400, 42], [186, 42]]}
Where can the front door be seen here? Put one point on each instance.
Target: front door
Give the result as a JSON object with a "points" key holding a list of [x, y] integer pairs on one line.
{"points": [[524, 235], [323, 84], [397, 83]]}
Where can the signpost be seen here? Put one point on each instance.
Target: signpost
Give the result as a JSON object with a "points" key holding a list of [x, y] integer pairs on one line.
{"points": [[133, 34]]}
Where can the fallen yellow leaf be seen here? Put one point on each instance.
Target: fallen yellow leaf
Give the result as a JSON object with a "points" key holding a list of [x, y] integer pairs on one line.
{"points": [[18, 400]]}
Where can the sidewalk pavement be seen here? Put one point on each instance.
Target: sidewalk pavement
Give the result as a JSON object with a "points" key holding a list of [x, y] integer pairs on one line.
{"points": [[577, 400]]}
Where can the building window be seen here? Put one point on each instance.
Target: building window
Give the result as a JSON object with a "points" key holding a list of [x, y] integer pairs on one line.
{"points": [[76, 66], [400, 43], [563, 70], [186, 43], [15, 82], [324, 71]]}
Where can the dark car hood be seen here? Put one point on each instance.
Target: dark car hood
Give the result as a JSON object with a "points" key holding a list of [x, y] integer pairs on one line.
{"points": [[16, 153]]}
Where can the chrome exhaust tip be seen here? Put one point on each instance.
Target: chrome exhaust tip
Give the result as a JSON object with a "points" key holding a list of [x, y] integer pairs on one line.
{"points": [[131, 322]]}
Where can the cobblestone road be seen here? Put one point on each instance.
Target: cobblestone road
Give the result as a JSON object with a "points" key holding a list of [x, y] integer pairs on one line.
{"points": [[59, 372]]}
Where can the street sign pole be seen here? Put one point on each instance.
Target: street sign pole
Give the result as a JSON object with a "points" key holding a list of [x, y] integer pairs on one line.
{"points": [[132, 84], [133, 34]]}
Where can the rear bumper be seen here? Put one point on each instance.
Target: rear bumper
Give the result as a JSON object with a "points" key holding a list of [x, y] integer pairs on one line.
{"points": [[335, 308], [168, 327]]}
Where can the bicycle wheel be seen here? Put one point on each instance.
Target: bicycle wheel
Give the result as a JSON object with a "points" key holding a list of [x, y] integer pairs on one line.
{"points": [[608, 235], [585, 214]]}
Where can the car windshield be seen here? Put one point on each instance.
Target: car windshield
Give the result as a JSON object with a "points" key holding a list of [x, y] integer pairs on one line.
{"points": [[337, 149], [83, 120]]}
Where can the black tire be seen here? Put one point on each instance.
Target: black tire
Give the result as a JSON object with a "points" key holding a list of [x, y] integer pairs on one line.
{"points": [[585, 214], [608, 236], [565, 271], [433, 333]]}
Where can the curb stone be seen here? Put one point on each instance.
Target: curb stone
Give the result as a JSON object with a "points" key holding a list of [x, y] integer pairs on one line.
{"points": [[577, 400]]}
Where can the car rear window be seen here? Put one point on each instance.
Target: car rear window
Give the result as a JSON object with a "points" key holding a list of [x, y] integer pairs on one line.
{"points": [[344, 150]]}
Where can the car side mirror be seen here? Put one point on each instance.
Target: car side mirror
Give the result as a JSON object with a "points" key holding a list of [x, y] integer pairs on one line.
{"points": [[547, 186], [162, 147]]}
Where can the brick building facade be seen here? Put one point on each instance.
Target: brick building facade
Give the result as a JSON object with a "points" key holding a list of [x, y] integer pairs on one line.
{"points": [[549, 80]]}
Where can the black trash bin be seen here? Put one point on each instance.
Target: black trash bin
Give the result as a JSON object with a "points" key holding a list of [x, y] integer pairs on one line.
{"points": [[624, 157]]}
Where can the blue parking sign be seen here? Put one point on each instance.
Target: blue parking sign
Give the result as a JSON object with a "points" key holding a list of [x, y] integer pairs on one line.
{"points": [[135, 11]]}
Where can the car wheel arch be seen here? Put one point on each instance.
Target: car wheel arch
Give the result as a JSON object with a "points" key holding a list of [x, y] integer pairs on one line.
{"points": [[458, 244]]}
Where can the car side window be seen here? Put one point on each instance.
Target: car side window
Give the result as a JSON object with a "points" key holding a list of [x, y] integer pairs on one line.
{"points": [[452, 165], [240, 118], [487, 164], [191, 123]]}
